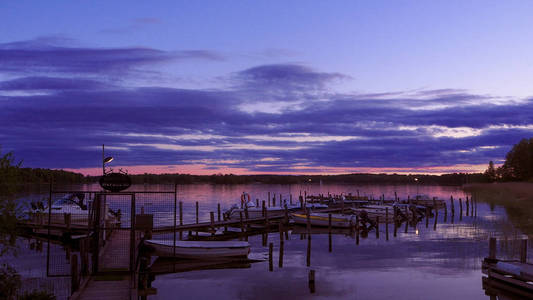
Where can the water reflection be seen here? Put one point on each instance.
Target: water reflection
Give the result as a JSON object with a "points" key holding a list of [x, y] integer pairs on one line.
{"points": [[442, 253]]}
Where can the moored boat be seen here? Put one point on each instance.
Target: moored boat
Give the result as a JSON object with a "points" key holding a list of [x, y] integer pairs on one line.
{"points": [[199, 249], [322, 219]]}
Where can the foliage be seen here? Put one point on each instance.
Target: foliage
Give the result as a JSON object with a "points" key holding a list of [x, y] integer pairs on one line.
{"points": [[490, 173], [518, 162], [9, 282], [445, 179], [37, 295]]}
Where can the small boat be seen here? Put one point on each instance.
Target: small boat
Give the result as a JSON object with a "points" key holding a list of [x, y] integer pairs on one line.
{"points": [[199, 249], [322, 219], [311, 205], [72, 204]]}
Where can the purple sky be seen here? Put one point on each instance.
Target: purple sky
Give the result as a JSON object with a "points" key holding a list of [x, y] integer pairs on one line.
{"points": [[265, 86]]}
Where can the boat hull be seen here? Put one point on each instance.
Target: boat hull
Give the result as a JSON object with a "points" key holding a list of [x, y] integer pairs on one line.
{"points": [[318, 219], [199, 250]]}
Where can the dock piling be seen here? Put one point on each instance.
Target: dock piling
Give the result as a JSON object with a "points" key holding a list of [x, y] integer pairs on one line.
{"points": [[523, 251]]}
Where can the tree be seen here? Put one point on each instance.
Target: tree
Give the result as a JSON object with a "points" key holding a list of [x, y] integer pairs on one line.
{"points": [[490, 173], [519, 161]]}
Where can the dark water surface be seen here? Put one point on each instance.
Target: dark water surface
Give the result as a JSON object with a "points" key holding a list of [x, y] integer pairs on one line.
{"points": [[434, 262]]}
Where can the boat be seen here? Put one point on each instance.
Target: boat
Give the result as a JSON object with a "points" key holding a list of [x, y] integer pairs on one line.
{"points": [[72, 204], [199, 249], [322, 219]]}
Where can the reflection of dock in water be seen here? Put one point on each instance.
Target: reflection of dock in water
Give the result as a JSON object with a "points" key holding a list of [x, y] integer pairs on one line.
{"points": [[508, 279]]}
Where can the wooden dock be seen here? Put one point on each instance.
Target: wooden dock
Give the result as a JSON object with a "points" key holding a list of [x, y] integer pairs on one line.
{"points": [[510, 276]]}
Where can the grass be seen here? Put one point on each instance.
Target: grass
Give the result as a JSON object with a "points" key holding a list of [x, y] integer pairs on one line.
{"points": [[515, 197]]}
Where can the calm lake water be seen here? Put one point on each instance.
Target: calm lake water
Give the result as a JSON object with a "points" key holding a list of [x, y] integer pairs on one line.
{"points": [[442, 262]]}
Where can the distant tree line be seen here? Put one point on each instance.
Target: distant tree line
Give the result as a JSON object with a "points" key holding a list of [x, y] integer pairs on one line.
{"points": [[360, 178], [518, 165]]}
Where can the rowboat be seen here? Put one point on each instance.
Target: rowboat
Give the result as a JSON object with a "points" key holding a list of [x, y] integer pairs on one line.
{"points": [[199, 249], [322, 219]]}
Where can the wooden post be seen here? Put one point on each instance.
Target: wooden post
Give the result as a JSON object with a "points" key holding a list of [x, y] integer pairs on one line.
{"points": [[329, 223], [312, 281], [467, 206], [257, 202], [492, 248], [357, 229], [212, 217], [75, 280], [263, 209], [218, 211], [197, 212], [270, 250], [181, 218], [286, 214], [523, 251], [395, 221], [67, 218], [308, 249], [280, 229], [268, 199], [452, 206], [308, 222], [386, 223], [290, 199], [242, 223], [267, 221], [280, 262], [377, 227], [460, 208], [436, 216], [428, 213], [274, 200]]}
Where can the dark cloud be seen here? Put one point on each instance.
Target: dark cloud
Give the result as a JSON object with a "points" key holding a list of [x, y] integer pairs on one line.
{"points": [[44, 56], [51, 83], [63, 126]]}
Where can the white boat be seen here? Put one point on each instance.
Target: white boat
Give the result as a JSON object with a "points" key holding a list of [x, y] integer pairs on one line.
{"points": [[322, 219], [199, 249], [70, 204], [253, 212], [311, 205]]}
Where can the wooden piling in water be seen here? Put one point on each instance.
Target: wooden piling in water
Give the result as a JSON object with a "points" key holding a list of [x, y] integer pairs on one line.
{"points": [[280, 229], [428, 213], [268, 199], [377, 227], [436, 216], [197, 220], [309, 249], [492, 248], [270, 263], [523, 251], [452, 206], [212, 219], [312, 281], [460, 209], [280, 262], [218, 211], [395, 221], [386, 223], [274, 200], [467, 206], [75, 279], [308, 222]]}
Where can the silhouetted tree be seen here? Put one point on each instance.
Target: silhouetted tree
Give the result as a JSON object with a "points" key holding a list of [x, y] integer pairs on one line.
{"points": [[519, 161], [490, 173]]}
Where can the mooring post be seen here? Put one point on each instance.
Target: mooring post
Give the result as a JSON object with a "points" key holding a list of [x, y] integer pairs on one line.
{"points": [[75, 279], [290, 199], [312, 281], [197, 220], [242, 223], [268, 199], [377, 227], [460, 208], [308, 222], [212, 217], [428, 213], [329, 223], [492, 248], [308, 249], [523, 251], [436, 218], [263, 209], [386, 223], [467, 206], [286, 214], [218, 211], [452, 206], [280, 262], [280, 229], [267, 221], [274, 200], [270, 250]]}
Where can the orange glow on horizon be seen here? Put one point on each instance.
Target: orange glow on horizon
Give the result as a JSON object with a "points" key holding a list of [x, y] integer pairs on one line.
{"points": [[202, 169]]}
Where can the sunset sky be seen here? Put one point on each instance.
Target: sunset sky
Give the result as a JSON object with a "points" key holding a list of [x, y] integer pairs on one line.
{"points": [[278, 87]]}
